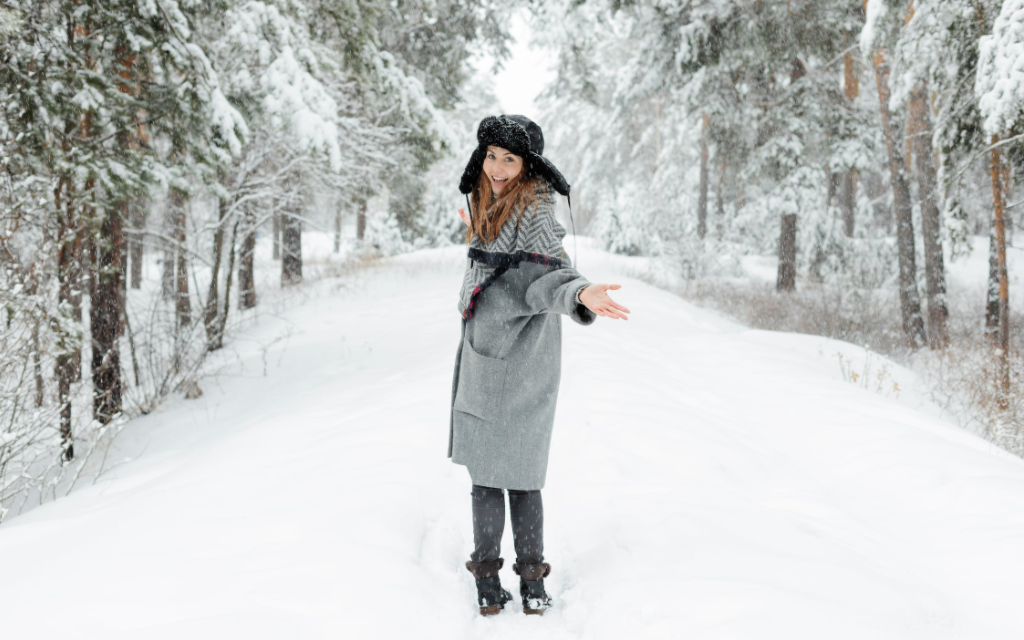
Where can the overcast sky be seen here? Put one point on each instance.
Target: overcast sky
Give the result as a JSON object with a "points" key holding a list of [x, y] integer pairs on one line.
{"points": [[525, 75]]}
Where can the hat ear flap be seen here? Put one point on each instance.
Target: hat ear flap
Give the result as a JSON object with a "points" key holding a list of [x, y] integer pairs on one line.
{"points": [[473, 169], [541, 166]]}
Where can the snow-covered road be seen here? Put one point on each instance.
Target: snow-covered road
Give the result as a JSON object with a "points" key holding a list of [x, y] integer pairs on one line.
{"points": [[706, 482]]}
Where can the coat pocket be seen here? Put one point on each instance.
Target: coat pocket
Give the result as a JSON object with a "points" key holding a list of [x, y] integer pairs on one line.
{"points": [[481, 389]]}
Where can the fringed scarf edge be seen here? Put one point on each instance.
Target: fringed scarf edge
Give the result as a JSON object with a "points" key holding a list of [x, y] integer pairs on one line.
{"points": [[502, 262]]}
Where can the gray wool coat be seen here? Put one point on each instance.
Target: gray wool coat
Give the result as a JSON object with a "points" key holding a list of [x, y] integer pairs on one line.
{"points": [[507, 370]]}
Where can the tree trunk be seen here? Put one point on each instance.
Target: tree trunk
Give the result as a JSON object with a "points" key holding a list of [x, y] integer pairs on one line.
{"points": [[910, 300], [37, 365], [167, 264], [79, 283], [931, 220], [851, 82], [167, 271], [835, 181], [31, 290], [246, 268], [214, 340], [998, 223], [361, 222], [124, 69], [122, 280], [65, 361], [848, 192], [881, 212], [787, 254], [847, 200], [276, 235], [135, 244], [84, 247], [105, 315], [122, 210], [720, 190], [992, 292], [222, 317], [182, 301], [1007, 184], [909, 134], [702, 205], [291, 249], [337, 230]]}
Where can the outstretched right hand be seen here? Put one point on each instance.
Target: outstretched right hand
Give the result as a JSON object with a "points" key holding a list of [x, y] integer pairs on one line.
{"points": [[595, 297], [465, 218]]}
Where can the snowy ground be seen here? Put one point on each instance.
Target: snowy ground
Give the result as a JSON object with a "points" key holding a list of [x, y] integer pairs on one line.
{"points": [[706, 482]]}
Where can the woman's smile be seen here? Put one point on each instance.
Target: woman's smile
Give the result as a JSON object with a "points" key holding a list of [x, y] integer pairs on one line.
{"points": [[501, 166]]}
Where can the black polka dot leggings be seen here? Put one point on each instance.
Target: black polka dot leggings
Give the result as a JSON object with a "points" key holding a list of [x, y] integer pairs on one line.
{"points": [[489, 523]]}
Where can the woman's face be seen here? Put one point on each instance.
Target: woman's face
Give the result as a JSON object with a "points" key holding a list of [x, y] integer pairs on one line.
{"points": [[501, 166]]}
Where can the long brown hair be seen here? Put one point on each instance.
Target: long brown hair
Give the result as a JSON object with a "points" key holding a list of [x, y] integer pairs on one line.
{"points": [[520, 193]]}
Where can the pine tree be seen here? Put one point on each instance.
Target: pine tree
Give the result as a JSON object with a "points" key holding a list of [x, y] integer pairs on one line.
{"points": [[1000, 91], [931, 218]]}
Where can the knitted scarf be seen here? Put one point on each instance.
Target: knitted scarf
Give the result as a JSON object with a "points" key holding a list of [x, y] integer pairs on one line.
{"points": [[534, 237]]}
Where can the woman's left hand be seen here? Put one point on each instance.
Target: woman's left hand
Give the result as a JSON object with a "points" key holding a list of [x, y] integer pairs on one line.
{"points": [[595, 298]]}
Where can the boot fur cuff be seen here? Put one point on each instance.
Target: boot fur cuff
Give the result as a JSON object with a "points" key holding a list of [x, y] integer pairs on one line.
{"points": [[482, 570], [531, 572]]}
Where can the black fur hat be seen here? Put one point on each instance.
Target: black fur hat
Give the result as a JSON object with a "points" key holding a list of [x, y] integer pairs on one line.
{"points": [[521, 136]]}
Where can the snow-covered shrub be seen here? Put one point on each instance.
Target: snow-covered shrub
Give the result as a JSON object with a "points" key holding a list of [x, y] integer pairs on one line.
{"points": [[708, 259], [869, 263], [619, 236], [384, 234], [965, 380], [440, 223]]}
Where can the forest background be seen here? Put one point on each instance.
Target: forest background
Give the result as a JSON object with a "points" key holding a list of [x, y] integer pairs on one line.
{"points": [[852, 149]]}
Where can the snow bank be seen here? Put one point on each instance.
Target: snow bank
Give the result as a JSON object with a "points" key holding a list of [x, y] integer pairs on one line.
{"points": [[706, 481]]}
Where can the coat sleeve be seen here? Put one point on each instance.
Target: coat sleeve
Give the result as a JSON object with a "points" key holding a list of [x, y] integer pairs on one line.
{"points": [[555, 292]]}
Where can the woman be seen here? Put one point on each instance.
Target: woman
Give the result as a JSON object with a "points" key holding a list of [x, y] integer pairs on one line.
{"points": [[518, 283]]}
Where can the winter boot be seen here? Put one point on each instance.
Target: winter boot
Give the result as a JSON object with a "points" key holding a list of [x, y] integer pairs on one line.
{"points": [[489, 594], [531, 587]]}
